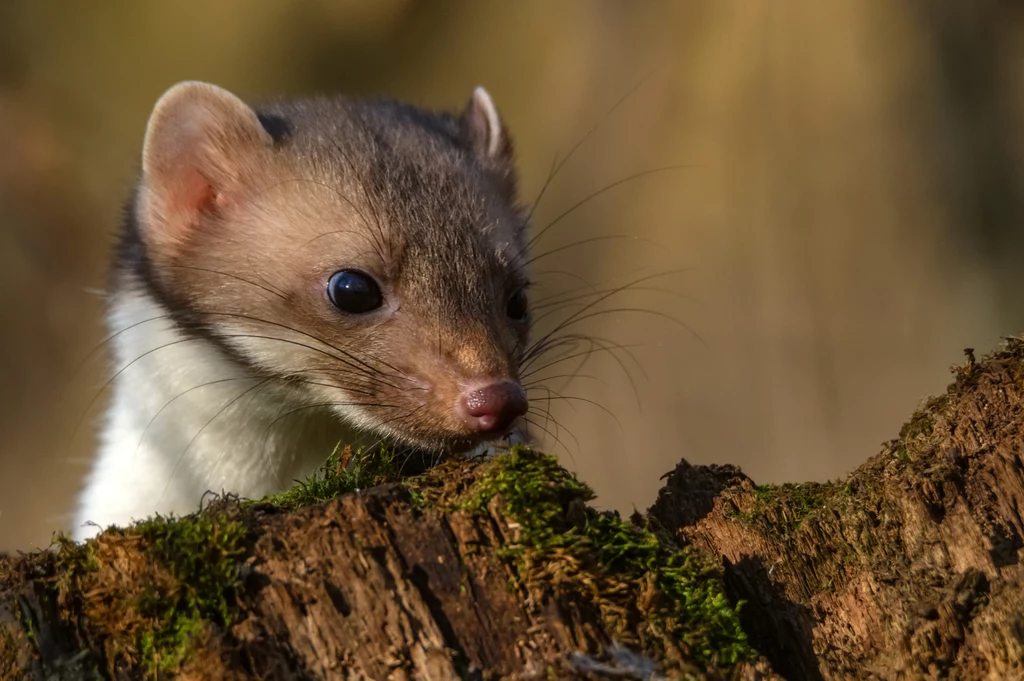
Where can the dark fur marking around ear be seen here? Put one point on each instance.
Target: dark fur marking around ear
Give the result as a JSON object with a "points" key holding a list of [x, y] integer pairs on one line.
{"points": [[132, 260], [277, 127]]}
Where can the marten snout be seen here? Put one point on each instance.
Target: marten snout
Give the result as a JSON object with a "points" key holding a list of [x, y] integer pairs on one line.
{"points": [[492, 408]]}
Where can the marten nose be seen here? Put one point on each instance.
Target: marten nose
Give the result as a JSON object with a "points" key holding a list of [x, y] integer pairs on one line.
{"points": [[493, 407]]}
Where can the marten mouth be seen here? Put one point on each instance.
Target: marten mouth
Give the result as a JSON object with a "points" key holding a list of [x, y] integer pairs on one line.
{"points": [[416, 456], [459, 444], [491, 414]]}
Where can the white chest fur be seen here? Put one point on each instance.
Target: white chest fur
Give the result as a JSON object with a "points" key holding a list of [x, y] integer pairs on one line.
{"points": [[185, 419]]}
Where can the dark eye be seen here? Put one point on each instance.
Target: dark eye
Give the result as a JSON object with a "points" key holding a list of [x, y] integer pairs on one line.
{"points": [[354, 292], [517, 307]]}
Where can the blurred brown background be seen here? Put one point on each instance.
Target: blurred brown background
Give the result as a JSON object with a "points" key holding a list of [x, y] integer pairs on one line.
{"points": [[850, 205]]}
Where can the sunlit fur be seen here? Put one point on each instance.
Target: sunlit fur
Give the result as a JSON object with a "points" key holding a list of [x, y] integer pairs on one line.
{"points": [[234, 370]]}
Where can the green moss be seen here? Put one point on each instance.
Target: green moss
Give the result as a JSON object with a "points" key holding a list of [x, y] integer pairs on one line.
{"points": [[9, 654], [788, 506], [342, 473], [73, 560], [151, 590], [920, 425], [677, 591], [917, 435], [202, 553], [154, 612], [26, 625]]}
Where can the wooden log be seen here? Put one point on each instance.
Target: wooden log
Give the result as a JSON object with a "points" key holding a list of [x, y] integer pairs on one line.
{"points": [[910, 567], [474, 570]]}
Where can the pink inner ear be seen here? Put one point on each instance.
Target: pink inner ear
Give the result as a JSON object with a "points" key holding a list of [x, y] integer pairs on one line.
{"points": [[187, 194], [197, 142]]}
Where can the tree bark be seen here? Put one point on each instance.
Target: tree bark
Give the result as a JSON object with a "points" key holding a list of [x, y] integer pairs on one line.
{"points": [[910, 567]]}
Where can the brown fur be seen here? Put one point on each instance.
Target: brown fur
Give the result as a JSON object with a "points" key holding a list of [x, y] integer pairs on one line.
{"points": [[242, 216]]}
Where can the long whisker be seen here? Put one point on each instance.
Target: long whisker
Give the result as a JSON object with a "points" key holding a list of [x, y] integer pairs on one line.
{"points": [[536, 384], [581, 297], [179, 341], [570, 340], [590, 197], [290, 328], [639, 310], [289, 378], [584, 242], [180, 395], [554, 437], [374, 371], [558, 165], [272, 291], [181, 458], [319, 405], [99, 346], [575, 398], [600, 299], [601, 346]]}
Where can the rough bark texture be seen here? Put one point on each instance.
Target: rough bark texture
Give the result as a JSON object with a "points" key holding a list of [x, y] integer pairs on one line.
{"points": [[466, 574], [908, 568]]}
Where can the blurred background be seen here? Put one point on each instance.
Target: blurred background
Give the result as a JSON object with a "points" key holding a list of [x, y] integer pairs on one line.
{"points": [[848, 206]]}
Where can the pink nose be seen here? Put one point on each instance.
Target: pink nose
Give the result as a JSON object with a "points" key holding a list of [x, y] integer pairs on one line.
{"points": [[492, 408]]}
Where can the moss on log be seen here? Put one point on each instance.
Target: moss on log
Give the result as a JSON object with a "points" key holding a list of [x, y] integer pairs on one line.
{"points": [[492, 569], [910, 567]]}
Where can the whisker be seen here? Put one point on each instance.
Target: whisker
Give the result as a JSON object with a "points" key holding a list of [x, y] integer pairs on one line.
{"points": [[193, 339], [584, 242], [553, 437], [272, 291], [562, 325], [600, 348], [579, 298], [220, 459], [590, 197], [571, 339], [180, 395], [536, 384], [639, 310], [99, 346], [556, 165], [576, 398], [181, 458], [318, 405], [291, 378], [106, 385], [366, 367]]}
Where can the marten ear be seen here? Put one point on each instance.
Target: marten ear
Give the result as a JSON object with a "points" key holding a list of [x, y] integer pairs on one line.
{"points": [[482, 129], [200, 142], [484, 133]]}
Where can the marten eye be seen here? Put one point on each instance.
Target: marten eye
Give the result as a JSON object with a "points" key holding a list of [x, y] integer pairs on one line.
{"points": [[517, 307], [354, 292]]}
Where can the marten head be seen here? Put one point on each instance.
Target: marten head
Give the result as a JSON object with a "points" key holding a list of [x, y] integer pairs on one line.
{"points": [[368, 254]]}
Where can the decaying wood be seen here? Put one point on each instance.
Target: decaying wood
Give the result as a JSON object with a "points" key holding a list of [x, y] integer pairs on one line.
{"points": [[373, 585], [908, 568]]}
